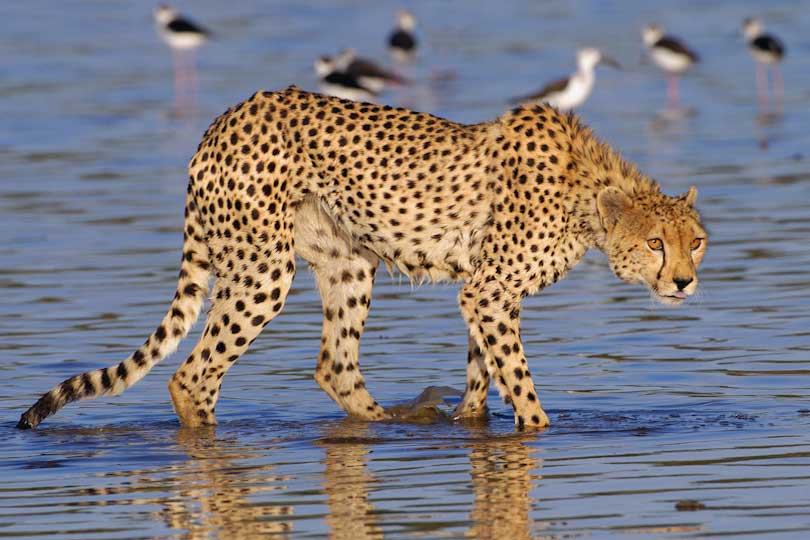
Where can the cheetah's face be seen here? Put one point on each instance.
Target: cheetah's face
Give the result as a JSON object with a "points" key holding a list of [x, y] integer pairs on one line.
{"points": [[657, 242]]}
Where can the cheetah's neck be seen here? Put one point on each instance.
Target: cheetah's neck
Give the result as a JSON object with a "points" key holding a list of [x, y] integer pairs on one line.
{"points": [[597, 167]]}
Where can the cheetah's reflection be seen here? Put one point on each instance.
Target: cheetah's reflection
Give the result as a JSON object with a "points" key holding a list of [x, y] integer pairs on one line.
{"points": [[347, 481], [213, 491], [502, 469], [503, 473], [221, 491]]}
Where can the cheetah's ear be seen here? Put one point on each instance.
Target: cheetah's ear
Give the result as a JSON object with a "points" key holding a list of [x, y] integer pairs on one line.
{"points": [[690, 196], [611, 203]]}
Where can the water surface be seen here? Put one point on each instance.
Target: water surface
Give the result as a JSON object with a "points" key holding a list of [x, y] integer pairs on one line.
{"points": [[650, 406]]}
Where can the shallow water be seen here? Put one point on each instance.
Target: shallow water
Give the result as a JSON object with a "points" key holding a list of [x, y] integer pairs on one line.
{"points": [[650, 406]]}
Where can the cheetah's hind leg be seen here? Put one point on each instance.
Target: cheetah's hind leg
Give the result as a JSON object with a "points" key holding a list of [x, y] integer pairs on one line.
{"points": [[242, 305], [345, 274]]}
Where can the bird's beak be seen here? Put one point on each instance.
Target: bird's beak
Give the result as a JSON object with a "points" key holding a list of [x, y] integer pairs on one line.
{"points": [[611, 62]]}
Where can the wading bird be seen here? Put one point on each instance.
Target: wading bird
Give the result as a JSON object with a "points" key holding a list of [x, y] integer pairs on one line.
{"points": [[184, 37], [767, 50], [572, 91], [671, 55]]}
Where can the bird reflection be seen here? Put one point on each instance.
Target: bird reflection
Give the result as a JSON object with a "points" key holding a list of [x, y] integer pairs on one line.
{"points": [[765, 124]]}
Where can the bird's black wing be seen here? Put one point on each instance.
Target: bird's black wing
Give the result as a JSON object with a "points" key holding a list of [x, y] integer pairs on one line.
{"points": [[675, 45], [551, 88], [401, 39], [181, 26], [344, 79], [770, 44], [360, 67]]}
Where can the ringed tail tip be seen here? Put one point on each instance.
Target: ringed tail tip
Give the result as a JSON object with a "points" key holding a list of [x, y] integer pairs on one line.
{"points": [[26, 421], [43, 408]]}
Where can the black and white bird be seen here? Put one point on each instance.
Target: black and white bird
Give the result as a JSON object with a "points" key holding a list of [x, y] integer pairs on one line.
{"points": [[572, 91], [368, 73], [671, 55], [336, 82], [767, 50], [402, 42], [183, 37]]}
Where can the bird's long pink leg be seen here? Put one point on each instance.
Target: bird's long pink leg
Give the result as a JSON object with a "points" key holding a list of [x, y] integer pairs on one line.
{"points": [[762, 86], [177, 57], [192, 76], [186, 82], [672, 91], [778, 88]]}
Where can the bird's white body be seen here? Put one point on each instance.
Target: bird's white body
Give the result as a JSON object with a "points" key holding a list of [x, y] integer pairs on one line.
{"points": [[344, 92], [372, 83], [576, 92], [184, 42], [670, 61], [402, 56], [764, 56]]}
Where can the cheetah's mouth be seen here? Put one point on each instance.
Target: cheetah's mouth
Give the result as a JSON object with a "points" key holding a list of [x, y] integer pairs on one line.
{"points": [[673, 299]]}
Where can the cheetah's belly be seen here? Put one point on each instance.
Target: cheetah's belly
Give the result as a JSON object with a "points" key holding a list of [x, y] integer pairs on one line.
{"points": [[428, 244]]}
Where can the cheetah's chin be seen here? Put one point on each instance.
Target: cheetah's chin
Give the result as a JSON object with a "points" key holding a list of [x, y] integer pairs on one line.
{"points": [[675, 299]]}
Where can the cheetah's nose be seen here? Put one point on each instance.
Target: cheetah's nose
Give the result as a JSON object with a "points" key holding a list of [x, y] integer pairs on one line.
{"points": [[681, 283]]}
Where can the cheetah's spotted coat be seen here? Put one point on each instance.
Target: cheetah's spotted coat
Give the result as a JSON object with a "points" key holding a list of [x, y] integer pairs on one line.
{"points": [[506, 207]]}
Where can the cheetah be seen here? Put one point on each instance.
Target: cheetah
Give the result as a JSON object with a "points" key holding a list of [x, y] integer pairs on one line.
{"points": [[505, 207]]}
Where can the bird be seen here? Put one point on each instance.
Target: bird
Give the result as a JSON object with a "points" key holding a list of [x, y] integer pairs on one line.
{"points": [[670, 54], [767, 50], [336, 82], [402, 42], [572, 91], [368, 73], [183, 37]]}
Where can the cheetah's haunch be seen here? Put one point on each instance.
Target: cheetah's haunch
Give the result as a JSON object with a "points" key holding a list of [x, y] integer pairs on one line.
{"points": [[505, 207]]}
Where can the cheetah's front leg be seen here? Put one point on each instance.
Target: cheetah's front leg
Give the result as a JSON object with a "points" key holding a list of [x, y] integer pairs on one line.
{"points": [[493, 315]]}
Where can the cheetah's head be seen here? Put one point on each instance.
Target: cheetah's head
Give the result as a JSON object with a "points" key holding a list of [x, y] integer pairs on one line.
{"points": [[654, 239]]}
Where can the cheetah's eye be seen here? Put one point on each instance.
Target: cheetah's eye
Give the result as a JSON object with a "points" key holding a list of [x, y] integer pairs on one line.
{"points": [[696, 243], [655, 244]]}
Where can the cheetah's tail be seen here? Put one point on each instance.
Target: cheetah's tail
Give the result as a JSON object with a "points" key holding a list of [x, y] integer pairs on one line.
{"points": [[192, 288]]}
